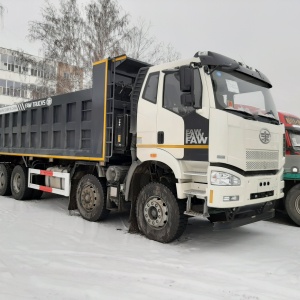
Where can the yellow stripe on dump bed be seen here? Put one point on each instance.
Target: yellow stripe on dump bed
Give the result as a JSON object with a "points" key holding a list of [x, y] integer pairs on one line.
{"points": [[122, 57], [54, 156]]}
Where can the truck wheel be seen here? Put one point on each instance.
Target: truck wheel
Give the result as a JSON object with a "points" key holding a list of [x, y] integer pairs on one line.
{"points": [[292, 204], [159, 214], [5, 175], [18, 183], [91, 198]]}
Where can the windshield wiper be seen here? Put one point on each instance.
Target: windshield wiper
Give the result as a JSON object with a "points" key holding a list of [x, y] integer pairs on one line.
{"points": [[269, 115], [246, 114]]}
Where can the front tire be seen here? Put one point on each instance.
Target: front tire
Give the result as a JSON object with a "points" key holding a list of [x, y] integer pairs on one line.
{"points": [[159, 214], [292, 204], [18, 183], [5, 176], [91, 198]]}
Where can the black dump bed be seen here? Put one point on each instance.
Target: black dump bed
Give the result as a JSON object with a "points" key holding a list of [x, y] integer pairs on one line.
{"points": [[78, 125]]}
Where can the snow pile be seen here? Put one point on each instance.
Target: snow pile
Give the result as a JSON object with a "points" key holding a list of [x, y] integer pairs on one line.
{"points": [[47, 254]]}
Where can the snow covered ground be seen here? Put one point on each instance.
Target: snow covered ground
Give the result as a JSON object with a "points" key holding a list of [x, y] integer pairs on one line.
{"points": [[47, 254]]}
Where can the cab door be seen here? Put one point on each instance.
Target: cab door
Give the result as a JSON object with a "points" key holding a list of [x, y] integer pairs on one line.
{"points": [[181, 131], [170, 112], [147, 114]]}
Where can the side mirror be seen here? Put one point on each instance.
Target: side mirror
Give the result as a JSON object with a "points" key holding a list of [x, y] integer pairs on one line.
{"points": [[187, 99], [186, 78], [190, 83]]}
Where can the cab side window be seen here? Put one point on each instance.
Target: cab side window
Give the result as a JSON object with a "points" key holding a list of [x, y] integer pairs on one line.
{"points": [[150, 91], [172, 95]]}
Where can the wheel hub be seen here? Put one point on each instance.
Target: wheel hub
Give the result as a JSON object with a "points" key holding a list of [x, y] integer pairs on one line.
{"points": [[2, 179], [89, 198], [17, 182], [156, 212]]}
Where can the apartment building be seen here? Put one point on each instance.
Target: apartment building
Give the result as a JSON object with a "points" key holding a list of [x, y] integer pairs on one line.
{"points": [[24, 77]]}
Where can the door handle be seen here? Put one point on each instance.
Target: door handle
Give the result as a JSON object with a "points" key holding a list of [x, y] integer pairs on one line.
{"points": [[160, 137]]}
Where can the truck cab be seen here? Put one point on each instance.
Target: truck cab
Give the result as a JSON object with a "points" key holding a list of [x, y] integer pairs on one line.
{"points": [[291, 202], [212, 122]]}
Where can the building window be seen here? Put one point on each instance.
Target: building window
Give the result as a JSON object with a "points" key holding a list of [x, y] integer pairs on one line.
{"points": [[2, 86]]}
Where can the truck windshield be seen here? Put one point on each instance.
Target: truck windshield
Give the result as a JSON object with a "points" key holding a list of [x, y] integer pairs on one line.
{"points": [[243, 95], [295, 139]]}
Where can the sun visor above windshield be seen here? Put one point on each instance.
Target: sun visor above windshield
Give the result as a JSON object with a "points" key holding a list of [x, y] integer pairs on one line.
{"points": [[218, 61]]}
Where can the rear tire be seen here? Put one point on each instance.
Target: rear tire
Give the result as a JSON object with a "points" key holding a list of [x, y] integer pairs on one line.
{"points": [[292, 204], [18, 183], [91, 198], [159, 214], [5, 175]]}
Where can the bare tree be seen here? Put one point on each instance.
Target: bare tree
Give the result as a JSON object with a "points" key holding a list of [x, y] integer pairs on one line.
{"points": [[79, 37], [106, 29], [143, 46], [61, 32]]}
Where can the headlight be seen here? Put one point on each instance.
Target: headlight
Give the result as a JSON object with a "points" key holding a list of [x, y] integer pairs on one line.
{"points": [[222, 178]]}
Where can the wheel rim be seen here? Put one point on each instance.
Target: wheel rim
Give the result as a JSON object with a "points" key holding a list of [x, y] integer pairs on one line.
{"points": [[156, 212], [17, 183], [2, 179], [297, 204], [89, 198]]}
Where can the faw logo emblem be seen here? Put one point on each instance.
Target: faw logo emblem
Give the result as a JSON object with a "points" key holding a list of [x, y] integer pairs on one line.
{"points": [[265, 136], [195, 136]]}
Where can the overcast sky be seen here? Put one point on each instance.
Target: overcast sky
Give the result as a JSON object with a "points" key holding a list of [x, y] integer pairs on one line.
{"points": [[262, 33]]}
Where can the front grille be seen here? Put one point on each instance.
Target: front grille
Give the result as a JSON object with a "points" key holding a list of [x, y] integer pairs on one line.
{"points": [[261, 160], [261, 165], [261, 155]]}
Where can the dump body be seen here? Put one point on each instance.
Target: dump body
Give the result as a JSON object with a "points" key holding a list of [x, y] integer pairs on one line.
{"points": [[73, 126]]}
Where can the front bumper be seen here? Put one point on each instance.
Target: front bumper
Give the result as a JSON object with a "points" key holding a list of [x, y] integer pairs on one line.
{"points": [[252, 190]]}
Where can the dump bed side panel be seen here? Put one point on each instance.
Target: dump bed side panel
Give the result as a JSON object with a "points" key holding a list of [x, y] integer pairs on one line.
{"points": [[69, 126]]}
